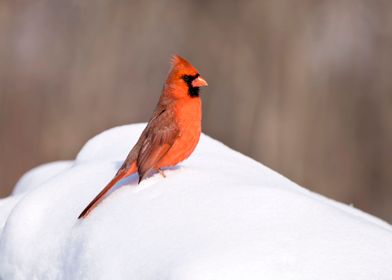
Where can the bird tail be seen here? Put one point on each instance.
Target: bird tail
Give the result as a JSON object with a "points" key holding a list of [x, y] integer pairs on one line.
{"points": [[122, 173]]}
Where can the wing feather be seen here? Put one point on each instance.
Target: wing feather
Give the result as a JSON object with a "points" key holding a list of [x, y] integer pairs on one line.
{"points": [[160, 135]]}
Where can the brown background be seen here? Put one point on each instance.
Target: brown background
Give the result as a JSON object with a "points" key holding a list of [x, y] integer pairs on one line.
{"points": [[304, 87]]}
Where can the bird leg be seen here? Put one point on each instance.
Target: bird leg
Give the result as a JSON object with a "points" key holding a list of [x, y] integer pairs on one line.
{"points": [[162, 173]]}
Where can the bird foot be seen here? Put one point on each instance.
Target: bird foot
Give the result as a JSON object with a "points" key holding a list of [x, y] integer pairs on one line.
{"points": [[162, 173]]}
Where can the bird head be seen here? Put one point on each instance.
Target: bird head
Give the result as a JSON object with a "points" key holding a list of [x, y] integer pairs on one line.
{"points": [[184, 81]]}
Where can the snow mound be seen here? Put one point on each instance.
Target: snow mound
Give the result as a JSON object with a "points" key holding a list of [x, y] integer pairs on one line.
{"points": [[218, 215]]}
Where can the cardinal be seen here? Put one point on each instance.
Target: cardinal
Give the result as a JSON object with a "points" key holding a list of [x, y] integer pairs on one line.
{"points": [[172, 133]]}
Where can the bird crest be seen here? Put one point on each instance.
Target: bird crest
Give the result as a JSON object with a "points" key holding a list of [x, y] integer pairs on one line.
{"points": [[181, 64]]}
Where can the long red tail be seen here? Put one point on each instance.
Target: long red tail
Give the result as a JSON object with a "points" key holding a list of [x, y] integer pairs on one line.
{"points": [[120, 175]]}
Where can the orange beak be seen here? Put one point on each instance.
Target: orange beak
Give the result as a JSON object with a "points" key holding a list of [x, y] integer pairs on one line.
{"points": [[199, 82]]}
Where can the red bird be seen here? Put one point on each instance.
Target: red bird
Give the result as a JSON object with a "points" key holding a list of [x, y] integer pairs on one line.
{"points": [[171, 134]]}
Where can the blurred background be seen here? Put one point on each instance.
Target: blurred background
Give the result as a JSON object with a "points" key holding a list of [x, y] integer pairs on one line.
{"points": [[304, 87]]}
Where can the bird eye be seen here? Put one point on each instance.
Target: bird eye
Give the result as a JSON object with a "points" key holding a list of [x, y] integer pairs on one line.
{"points": [[187, 78]]}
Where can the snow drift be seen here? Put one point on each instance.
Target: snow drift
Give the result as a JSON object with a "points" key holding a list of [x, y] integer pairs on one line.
{"points": [[218, 215]]}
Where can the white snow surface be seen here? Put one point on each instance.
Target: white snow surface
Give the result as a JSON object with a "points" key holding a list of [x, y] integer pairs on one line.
{"points": [[218, 215]]}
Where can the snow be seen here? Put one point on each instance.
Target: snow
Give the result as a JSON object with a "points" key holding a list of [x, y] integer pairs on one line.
{"points": [[218, 215]]}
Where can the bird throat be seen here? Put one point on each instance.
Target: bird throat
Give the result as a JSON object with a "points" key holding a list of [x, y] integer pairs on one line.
{"points": [[193, 91]]}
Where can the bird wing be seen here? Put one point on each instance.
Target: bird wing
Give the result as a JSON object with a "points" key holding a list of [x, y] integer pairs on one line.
{"points": [[160, 135]]}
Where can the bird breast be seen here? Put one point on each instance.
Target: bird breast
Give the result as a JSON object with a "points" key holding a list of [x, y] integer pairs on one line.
{"points": [[188, 118]]}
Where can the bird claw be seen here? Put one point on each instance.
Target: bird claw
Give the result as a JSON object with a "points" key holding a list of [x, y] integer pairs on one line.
{"points": [[162, 173]]}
